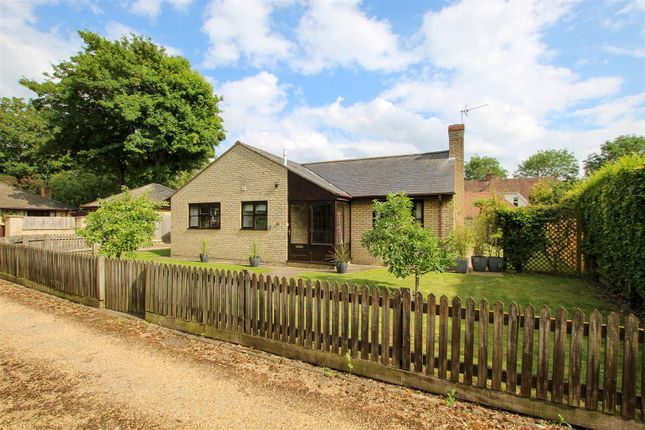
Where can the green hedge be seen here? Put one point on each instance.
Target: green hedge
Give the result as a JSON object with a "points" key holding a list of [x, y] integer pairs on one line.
{"points": [[611, 204], [524, 233]]}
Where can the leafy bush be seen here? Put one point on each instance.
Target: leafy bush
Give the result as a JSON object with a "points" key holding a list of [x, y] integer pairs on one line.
{"points": [[122, 225], [611, 204], [523, 232]]}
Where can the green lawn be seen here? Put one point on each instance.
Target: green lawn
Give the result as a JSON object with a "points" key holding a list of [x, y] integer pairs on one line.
{"points": [[522, 289], [163, 256]]}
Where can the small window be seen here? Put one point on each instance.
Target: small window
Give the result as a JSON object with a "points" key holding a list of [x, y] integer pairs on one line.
{"points": [[204, 215], [417, 211], [516, 201], [41, 213], [254, 215]]}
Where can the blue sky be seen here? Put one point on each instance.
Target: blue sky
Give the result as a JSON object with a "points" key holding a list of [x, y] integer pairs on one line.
{"points": [[329, 80]]}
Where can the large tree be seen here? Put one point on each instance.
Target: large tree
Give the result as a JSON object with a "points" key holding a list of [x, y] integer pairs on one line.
{"points": [[477, 167], [557, 163], [128, 107], [612, 150], [23, 133]]}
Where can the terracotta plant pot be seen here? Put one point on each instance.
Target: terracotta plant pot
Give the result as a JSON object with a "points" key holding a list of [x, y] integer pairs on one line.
{"points": [[479, 263]]}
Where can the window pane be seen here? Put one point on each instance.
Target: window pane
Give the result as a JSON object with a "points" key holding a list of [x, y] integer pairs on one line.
{"points": [[203, 209], [247, 209], [194, 221], [261, 222], [247, 221], [203, 221], [215, 210], [322, 220], [418, 210], [194, 210], [261, 208]]}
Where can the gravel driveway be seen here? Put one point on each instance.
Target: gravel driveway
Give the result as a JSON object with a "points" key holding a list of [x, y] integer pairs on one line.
{"points": [[64, 365]]}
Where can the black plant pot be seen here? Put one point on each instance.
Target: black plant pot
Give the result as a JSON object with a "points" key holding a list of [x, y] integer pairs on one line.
{"points": [[254, 261], [495, 264], [203, 258], [342, 267], [479, 263], [462, 265]]}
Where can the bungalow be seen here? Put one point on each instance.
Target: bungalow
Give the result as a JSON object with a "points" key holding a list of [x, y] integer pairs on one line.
{"points": [[299, 212], [16, 204]]}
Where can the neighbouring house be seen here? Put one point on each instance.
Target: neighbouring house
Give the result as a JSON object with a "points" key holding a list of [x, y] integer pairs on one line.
{"points": [[23, 213], [514, 192], [158, 193], [299, 212]]}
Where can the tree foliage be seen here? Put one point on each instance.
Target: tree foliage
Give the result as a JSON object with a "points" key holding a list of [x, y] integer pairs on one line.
{"points": [[477, 167], [557, 163], [122, 225], [127, 107], [405, 247], [78, 187], [612, 150], [610, 203], [23, 133], [549, 191]]}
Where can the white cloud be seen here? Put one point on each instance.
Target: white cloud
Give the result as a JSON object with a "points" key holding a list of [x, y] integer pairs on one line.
{"points": [[621, 50], [340, 34], [152, 8], [629, 108], [508, 68], [26, 51], [242, 29]]}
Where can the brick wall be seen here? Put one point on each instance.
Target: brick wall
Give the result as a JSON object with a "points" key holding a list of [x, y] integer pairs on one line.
{"points": [[362, 221], [224, 182]]}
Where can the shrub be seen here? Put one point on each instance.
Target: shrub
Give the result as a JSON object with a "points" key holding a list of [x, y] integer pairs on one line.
{"points": [[122, 225], [610, 203]]}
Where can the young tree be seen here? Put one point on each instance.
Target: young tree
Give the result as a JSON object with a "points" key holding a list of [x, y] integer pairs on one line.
{"points": [[549, 191], [477, 167], [558, 163], [122, 225], [612, 150], [405, 247], [127, 107]]}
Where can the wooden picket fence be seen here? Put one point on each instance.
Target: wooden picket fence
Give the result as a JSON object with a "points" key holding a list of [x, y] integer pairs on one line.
{"points": [[68, 242], [589, 369]]}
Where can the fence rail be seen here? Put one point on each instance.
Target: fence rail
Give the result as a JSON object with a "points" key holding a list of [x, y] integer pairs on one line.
{"points": [[533, 361], [48, 223], [58, 242]]}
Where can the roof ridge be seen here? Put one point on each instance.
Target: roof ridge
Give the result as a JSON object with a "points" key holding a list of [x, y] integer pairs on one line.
{"points": [[375, 158]]}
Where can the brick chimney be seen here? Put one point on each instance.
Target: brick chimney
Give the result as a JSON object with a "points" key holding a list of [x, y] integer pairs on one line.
{"points": [[46, 191], [456, 151]]}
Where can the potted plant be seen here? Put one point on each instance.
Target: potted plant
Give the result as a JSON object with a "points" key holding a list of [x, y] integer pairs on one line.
{"points": [[480, 244], [461, 240], [203, 257], [254, 258], [496, 262], [340, 257]]}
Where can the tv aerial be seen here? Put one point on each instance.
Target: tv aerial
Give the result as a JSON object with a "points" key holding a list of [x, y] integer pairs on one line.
{"points": [[466, 109]]}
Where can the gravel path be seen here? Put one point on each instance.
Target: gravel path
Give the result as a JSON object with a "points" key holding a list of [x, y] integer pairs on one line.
{"points": [[64, 365]]}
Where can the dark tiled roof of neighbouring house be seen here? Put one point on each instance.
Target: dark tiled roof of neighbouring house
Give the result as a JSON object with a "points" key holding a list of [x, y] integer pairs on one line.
{"points": [[12, 198], [158, 193], [415, 174]]}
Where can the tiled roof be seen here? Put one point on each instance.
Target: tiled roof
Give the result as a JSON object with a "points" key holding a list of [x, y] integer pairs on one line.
{"points": [[301, 171], [12, 198], [517, 185], [158, 193], [415, 174]]}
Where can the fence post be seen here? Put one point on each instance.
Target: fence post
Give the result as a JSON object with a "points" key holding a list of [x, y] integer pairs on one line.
{"points": [[100, 280]]}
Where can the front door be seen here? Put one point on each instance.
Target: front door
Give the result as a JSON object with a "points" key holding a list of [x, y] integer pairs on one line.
{"points": [[311, 231]]}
